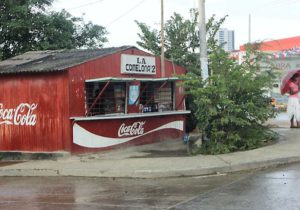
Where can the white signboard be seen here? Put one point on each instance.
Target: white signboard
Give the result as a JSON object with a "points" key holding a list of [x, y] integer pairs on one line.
{"points": [[135, 64]]}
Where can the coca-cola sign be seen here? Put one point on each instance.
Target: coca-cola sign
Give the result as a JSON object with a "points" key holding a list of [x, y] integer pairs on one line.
{"points": [[135, 129], [23, 114]]}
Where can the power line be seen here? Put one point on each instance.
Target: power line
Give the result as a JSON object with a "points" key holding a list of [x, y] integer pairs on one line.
{"points": [[126, 13], [85, 5]]}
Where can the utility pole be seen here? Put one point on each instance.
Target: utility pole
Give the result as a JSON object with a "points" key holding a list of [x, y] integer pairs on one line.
{"points": [[249, 29], [162, 55], [203, 45]]}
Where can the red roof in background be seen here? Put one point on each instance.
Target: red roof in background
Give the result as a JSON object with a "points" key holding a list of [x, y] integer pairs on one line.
{"points": [[278, 45]]}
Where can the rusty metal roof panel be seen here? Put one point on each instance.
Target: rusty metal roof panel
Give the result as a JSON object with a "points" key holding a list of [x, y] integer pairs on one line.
{"points": [[53, 60]]}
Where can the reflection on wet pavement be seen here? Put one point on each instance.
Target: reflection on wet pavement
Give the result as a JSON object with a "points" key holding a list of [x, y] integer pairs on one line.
{"points": [[270, 189], [102, 193], [276, 188]]}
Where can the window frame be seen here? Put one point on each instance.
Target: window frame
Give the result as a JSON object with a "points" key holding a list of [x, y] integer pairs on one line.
{"points": [[114, 80]]}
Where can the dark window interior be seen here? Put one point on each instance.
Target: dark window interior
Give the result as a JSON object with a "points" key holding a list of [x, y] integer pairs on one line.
{"points": [[112, 99], [154, 97]]}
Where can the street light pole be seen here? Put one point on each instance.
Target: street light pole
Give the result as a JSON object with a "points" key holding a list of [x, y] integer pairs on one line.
{"points": [[162, 55], [203, 45]]}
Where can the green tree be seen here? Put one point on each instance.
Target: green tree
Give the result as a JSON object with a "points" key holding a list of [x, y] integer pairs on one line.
{"points": [[232, 105], [181, 39], [31, 25], [60, 30]]}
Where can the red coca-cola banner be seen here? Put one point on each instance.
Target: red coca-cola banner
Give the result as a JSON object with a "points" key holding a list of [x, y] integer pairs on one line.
{"points": [[103, 134]]}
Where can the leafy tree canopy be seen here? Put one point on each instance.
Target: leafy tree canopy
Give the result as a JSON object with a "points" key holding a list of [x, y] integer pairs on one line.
{"points": [[30, 25], [181, 39]]}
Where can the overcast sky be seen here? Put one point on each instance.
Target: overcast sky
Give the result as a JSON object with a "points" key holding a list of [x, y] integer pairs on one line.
{"points": [[270, 19]]}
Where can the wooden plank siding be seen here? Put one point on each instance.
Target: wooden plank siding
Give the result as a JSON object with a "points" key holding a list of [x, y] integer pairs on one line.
{"points": [[50, 92]]}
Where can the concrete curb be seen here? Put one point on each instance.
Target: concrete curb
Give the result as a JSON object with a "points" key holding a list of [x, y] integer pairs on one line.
{"points": [[188, 172]]}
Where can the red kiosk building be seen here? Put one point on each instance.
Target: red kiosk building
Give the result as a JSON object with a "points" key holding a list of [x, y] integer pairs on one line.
{"points": [[88, 100]]}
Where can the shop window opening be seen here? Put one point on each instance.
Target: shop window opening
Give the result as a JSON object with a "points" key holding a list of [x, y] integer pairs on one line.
{"points": [[157, 96], [108, 97], [112, 98]]}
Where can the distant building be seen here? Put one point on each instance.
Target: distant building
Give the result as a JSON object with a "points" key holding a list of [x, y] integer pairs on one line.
{"points": [[225, 39]]}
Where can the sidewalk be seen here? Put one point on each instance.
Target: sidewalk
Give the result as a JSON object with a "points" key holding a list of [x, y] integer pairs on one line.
{"points": [[165, 159]]}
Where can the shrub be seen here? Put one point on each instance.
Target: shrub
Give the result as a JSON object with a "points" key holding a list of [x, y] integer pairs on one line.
{"points": [[232, 104]]}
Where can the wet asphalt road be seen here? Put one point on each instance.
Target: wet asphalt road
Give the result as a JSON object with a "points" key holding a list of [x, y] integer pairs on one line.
{"points": [[99, 193], [269, 189]]}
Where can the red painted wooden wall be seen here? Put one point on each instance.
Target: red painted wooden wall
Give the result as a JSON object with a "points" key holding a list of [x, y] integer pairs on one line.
{"points": [[49, 91]]}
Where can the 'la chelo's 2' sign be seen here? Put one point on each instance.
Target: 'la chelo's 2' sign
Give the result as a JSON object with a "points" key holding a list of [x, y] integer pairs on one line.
{"points": [[136, 64], [23, 114]]}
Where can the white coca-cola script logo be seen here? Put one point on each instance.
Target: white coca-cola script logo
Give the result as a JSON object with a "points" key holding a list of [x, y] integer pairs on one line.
{"points": [[21, 115], [137, 128]]}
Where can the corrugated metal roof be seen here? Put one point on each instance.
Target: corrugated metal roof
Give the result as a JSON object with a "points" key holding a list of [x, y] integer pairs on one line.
{"points": [[53, 60]]}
